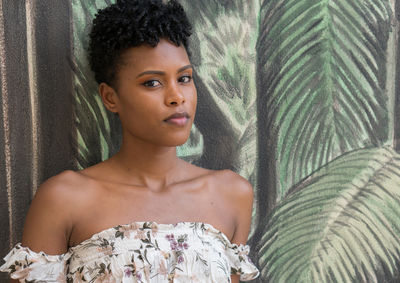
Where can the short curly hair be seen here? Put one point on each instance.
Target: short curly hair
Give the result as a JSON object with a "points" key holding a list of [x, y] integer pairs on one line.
{"points": [[130, 23]]}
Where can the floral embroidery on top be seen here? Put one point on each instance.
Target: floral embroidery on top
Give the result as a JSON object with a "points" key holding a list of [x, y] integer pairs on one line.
{"points": [[139, 252]]}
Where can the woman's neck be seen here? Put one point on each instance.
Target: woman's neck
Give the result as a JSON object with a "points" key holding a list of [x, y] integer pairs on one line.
{"points": [[151, 165]]}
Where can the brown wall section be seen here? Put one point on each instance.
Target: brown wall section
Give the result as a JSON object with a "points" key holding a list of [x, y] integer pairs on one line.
{"points": [[36, 102]]}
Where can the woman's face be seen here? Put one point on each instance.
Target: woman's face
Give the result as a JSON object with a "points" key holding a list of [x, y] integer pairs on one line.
{"points": [[155, 96]]}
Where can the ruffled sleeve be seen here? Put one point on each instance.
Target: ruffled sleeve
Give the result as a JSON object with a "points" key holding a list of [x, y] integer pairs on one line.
{"points": [[238, 256], [28, 266]]}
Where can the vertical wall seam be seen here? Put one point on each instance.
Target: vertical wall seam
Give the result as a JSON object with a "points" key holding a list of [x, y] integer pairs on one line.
{"points": [[32, 74], [6, 125]]}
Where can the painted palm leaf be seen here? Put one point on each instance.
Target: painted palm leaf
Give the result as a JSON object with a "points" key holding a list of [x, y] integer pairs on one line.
{"points": [[341, 225], [223, 52], [322, 74], [93, 122]]}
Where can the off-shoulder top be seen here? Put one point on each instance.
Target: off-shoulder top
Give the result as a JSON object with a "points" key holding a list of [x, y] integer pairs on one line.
{"points": [[139, 252]]}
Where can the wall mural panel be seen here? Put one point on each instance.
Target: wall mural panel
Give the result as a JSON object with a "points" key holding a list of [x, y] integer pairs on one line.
{"points": [[300, 97]]}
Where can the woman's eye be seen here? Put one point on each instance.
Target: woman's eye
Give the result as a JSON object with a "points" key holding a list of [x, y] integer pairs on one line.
{"points": [[185, 79], [151, 83]]}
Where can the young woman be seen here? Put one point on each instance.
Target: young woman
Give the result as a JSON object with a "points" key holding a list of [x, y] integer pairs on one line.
{"points": [[170, 221]]}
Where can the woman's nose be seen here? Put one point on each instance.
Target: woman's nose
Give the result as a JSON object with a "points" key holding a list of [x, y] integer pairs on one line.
{"points": [[174, 96]]}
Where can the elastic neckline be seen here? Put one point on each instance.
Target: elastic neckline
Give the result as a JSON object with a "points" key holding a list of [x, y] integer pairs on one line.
{"points": [[160, 226]]}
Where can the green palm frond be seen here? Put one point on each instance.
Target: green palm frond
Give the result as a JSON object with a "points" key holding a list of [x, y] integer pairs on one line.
{"points": [[192, 150], [322, 75], [223, 52], [343, 225], [93, 123]]}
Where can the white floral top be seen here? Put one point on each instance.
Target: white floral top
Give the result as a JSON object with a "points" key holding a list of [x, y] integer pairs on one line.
{"points": [[139, 252]]}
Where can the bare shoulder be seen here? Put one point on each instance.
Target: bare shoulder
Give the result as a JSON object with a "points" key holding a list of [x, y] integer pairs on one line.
{"points": [[237, 196], [224, 185], [232, 184], [61, 185], [222, 179], [60, 190], [49, 220]]}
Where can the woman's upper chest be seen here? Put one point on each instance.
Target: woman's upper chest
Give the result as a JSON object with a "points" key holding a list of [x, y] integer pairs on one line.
{"points": [[109, 205]]}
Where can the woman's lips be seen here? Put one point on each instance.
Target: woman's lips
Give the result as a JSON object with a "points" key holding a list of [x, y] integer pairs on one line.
{"points": [[178, 119]]}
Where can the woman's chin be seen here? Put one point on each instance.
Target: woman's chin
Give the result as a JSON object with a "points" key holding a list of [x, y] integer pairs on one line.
{"points": [[177, 141]]}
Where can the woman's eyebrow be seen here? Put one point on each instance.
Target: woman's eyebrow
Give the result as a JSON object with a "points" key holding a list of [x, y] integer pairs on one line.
{"points": [[154, 72], [150, 72], [184, 68]]}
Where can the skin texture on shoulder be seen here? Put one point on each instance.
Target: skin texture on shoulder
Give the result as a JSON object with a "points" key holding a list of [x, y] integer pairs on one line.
{"points": [[49, 220], [50, 217], [238, 193]]}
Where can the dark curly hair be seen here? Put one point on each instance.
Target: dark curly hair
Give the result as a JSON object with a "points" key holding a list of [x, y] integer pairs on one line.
{"points": [[130, 23]]}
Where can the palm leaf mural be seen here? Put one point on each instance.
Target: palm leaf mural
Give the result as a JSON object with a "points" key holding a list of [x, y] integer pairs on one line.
{"points": [[223, 52], [93, 122], [341, 225], [322, 75]]}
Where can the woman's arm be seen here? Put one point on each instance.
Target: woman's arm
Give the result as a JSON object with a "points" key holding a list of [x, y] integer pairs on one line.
{"points": [[48, 222], [243, 201], [235, 278]]}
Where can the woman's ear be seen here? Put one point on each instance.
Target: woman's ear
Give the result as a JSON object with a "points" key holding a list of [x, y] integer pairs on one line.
{"points": [[109, 97]]}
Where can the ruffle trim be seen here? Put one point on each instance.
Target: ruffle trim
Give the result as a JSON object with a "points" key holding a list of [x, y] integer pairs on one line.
{"points": [[240, 262], [24, 264], [116, 265]]}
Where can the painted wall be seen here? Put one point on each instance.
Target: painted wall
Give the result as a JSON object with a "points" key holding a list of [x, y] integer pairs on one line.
{"points": [[301, 97], [36, 121]]}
